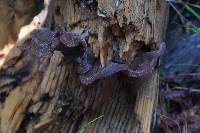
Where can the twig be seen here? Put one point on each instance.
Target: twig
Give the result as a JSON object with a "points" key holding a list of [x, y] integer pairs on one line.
{"points": [[190, 90], [179, 128], [188, 74], [183, 19]]}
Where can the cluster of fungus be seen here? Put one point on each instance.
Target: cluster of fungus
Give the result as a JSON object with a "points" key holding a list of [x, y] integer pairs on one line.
{"points": [[43, 42]]}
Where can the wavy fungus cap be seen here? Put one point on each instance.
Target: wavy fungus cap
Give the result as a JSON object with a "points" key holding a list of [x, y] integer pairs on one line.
{"points": [[41, 43]]}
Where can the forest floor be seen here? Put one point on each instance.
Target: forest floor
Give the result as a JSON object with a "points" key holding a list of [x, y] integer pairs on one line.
{"points": [[179, 101]]}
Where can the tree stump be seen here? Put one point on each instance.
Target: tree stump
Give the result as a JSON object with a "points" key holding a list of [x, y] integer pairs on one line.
{"points": [[46, 95]]}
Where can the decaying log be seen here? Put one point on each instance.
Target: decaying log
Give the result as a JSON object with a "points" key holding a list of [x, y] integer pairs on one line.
{"points": [[46, 95]]}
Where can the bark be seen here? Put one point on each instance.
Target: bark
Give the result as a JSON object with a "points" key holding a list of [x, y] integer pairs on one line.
{"points": [[46, 95]]}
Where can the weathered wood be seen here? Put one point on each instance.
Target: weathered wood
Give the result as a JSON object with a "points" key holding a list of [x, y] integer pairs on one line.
{"points": [[51, 95]]}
